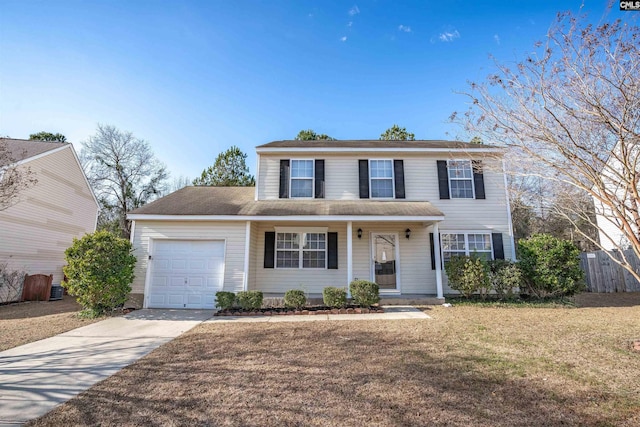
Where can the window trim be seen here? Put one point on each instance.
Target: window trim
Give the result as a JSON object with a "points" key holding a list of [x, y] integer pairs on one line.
{"points": [[312, 178], [466, 233], [393, 180], [301, 250], [473, 184]]}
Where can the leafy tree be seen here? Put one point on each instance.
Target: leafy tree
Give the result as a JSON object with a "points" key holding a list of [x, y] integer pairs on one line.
{"points": [[99, 271], [229, 170], [476, 140], [124, 174], [48, 137], [311, 135], [396, 133], [551, 266], [14, 179], [571, 109]]}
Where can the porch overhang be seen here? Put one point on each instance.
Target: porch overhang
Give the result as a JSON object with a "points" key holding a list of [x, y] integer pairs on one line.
{"points": [[288, 218]]}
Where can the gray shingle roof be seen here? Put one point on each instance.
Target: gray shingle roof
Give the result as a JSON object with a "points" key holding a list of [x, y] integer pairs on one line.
{"points": [[240, 201], [21, 149], [375, 143]]}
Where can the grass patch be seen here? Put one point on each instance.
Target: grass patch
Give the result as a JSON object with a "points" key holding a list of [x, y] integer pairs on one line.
{"points": [[469, 365]]}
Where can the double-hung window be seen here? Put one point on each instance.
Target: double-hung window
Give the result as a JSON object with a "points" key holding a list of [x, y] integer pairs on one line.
{"points": [[302, 178], [381, 177], [301, 250], [460, 179], [456, 244]]}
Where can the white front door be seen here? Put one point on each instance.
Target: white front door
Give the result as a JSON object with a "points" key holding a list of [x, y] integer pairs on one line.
{"points": [[384, 254], [185, 273]]}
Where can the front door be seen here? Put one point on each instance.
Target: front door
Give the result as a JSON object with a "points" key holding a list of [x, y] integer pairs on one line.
{"points": [[384, 255]]}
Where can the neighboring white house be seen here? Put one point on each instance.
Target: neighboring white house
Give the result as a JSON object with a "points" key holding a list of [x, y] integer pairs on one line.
{"points": [[322, 214], [35, 231]]}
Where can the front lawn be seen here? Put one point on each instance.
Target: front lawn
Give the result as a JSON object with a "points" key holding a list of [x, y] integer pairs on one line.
{"points": [[22, 323], [467, 366]]}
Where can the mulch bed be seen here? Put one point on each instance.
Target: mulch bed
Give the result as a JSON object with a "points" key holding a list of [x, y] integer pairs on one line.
{"points": [[283, 311]]}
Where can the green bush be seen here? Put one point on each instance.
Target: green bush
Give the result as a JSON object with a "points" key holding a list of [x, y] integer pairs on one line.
{"points": [[551, 266], [99, 271], [468, 275], [364, 293], [505, 276], [225, 300], [295, 298], [250, 300], [334, 297]]}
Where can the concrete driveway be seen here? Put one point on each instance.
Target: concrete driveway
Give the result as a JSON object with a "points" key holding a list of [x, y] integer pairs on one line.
{"points": [[36, 377]]}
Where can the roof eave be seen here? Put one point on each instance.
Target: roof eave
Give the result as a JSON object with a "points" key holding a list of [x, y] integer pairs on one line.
{"points": [[291, 218], [496, 150]]}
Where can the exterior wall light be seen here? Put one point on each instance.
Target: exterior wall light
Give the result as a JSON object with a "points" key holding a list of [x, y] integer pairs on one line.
{"points": [[359, 233], [407, 233]]}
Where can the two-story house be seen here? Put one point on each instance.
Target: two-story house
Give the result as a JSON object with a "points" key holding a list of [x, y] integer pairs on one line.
{"points": [[323, 213]]}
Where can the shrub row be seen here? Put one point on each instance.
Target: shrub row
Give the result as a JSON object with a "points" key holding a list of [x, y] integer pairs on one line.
{"points": [[363, 293], [548, 267], [247, 300]]}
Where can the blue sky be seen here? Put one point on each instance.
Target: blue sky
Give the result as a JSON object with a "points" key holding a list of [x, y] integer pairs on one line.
{"points": [[195, 77]]}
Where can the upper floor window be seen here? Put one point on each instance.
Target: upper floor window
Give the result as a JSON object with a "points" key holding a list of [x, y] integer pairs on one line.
{"points": [[381, 177], [460, 179], [302, 178]]}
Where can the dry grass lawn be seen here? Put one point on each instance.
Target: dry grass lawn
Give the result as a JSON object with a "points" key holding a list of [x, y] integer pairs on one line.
{"points": [[468, 366], [26, 322]]}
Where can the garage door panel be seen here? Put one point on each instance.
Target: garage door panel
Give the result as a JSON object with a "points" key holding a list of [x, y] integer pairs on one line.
{"points": [[186, 274]]}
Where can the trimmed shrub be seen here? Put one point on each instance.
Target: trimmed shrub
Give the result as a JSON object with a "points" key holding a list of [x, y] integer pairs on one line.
{"points": [[99, 271], [334, 297], [225, 300], [468, 275], [364, 293], [295, 298], [250, 300], [551, 266], [505, 276]]}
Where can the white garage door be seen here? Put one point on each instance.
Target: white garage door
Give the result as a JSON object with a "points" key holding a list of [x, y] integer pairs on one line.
{"points": [[185, 274]]}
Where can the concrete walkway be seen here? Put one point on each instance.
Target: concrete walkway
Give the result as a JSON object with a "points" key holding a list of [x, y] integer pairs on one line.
{"points": [[36, 377]]}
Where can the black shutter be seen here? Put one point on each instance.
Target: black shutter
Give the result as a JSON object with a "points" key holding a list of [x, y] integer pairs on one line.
{"points": [[332, 246], [363, 166], [398, 171], [478, 179], [319, 179], [269, 249], [284, 179], [433, 254], [498, 248], [443, 179]]}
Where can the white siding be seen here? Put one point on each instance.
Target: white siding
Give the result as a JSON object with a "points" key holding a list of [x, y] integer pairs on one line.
{"points": [[233, 233], [35, 232], [414, 268], [415, 271], [311, 281]]}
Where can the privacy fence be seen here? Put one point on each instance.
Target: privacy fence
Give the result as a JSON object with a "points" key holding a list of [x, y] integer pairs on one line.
{"points": [[602, 274]]}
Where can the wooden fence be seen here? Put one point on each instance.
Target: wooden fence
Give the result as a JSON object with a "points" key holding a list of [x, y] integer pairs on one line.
{"points": [[602, 274]]}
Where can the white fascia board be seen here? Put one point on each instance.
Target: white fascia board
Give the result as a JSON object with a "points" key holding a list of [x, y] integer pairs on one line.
{"points": [[86, 180], [293, 218], [376, 150]]}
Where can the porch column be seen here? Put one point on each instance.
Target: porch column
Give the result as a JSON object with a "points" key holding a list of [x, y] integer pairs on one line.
{"points": [[247, 247], [349, 256], [436, 250]]}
